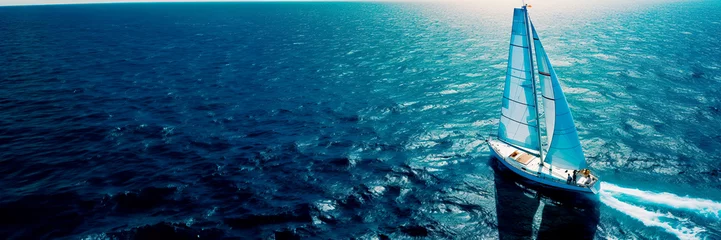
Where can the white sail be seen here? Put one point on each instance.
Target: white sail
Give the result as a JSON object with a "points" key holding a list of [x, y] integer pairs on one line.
{"points": [[564, 150], [518, 124]]}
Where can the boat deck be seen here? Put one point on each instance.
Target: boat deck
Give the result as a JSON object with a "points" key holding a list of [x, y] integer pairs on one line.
{"points": [[531, 163]]}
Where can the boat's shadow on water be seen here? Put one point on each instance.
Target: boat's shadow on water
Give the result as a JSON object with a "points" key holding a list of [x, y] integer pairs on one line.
{"points": [[563, 215]]}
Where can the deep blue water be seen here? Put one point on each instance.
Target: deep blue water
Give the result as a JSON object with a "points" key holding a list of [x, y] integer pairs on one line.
{"points": [[347, 120]]}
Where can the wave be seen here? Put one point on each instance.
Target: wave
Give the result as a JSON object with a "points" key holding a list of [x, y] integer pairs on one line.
{"points": [[682, 228], [697, 205]]}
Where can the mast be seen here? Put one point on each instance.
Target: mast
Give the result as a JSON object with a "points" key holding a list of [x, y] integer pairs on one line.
{"points": [[533, 78]]}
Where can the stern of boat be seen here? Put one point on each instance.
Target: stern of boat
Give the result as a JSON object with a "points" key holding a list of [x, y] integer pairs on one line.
{"points": [[596, 188]]}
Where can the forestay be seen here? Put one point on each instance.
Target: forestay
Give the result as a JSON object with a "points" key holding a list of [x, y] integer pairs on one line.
{"points": [[518, 124], [564, 150]]}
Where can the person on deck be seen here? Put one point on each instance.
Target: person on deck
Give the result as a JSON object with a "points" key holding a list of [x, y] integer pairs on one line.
{"points": [[568, 180], [574, 175]]}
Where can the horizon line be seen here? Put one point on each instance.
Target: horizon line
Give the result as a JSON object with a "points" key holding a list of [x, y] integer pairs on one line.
{"points": [[25, 4]]}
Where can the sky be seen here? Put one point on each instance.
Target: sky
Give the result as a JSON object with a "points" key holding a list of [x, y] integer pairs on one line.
{"points": [[545, 2], [41, 2]]}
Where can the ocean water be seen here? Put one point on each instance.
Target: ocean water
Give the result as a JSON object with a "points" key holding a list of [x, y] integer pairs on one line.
{"points": [[348, 120]]}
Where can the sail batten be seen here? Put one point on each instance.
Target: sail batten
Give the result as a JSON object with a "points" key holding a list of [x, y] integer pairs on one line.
{"points": [[519, 102], [564, 148], [518, 123]]}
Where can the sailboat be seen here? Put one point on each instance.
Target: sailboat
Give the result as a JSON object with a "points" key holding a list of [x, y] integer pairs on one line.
{"points": [[518, 145]]}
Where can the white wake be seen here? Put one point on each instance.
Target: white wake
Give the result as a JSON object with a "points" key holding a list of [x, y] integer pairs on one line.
{"points": [[697, 205], [680, 227]]}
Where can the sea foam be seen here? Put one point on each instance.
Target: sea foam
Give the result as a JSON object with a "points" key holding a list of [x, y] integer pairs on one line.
{"points": [[682, 228], [696, 205]]}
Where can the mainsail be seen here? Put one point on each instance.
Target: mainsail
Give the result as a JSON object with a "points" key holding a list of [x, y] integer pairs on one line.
{"points": [[519, 123], [564, 150]]}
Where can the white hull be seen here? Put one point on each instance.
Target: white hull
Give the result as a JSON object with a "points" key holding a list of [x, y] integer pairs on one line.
{"points": [[531, 169]]}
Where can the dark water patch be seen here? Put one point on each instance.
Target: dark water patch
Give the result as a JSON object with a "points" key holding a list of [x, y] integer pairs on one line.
{"points": [[21, 132], [117, 178], [708, 143], [353, 201], [383, 237], [145, 200], [713, 172], [160, 149], [631, 88], [340, 144], [343, 162], [463, 205], [89, 117], [697, 74], [290, 234], [417, 175], [514, 210], [562, 221], [44, 216], [716, 110], [350, 119], [296, 214], [261, 133], [415, 231], [209, 107], [214, 144], [166, 230]]}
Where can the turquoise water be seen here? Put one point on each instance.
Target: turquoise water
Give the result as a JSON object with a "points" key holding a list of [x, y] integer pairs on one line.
{"points": [[337, 120]]}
